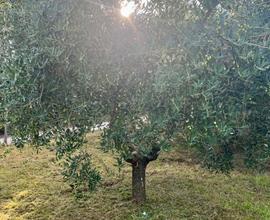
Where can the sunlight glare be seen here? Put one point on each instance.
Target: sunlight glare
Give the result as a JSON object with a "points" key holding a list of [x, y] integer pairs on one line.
{"points": [[127, 8]]}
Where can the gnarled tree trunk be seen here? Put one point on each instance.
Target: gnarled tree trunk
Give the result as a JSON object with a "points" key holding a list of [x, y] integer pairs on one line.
{"points": [[138, 181], [139, 165]]}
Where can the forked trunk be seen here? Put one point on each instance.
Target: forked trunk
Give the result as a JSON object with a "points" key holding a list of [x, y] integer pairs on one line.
{"points": [[138, 181]]}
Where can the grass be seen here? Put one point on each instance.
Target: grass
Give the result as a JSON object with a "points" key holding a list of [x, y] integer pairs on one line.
{"points": [[31, 187]]}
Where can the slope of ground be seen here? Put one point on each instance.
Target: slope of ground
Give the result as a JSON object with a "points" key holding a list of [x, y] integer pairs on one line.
{"points": [[31, 187]]}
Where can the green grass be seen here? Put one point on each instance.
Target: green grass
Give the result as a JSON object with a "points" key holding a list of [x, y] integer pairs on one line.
{"points": [[31, 187]]}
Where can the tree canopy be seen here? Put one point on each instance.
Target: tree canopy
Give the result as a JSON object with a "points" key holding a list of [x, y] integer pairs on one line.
{"points": [[193, 71]]}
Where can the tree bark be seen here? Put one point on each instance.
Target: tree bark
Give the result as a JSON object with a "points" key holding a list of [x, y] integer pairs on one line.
{"points": [[138, 181], [5, 135]]}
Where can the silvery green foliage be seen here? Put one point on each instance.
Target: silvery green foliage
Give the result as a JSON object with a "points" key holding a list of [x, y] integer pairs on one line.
{"points": [[40, 74], [199, 68], [80, 174], [216, 63]]}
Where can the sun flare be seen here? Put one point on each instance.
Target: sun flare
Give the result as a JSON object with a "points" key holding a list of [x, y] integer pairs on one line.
{"points": [[127, 8]]}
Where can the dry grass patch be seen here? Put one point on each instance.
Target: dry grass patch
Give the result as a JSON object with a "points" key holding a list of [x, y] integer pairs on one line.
{"points": [[31, 187]]}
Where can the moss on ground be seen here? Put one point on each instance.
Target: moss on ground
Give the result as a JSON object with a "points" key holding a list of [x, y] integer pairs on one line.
{"points": [[31, 187]]}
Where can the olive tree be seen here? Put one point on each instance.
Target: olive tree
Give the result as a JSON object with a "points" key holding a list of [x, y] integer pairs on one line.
{"points": [[177, 67], [68, 67], [217, 60]]}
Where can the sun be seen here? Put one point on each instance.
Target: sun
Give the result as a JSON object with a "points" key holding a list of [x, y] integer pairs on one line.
{"points": [[127, 8]]}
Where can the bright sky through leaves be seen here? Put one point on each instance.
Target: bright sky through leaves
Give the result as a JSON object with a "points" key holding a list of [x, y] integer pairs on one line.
{"points": [[127, 8]]}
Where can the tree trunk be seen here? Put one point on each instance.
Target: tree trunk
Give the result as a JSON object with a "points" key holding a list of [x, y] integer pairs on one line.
{"points": [[138, 181], [5, 135]]}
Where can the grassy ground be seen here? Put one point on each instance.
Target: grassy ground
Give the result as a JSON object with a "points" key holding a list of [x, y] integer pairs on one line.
{"points": [[31, 187]]}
